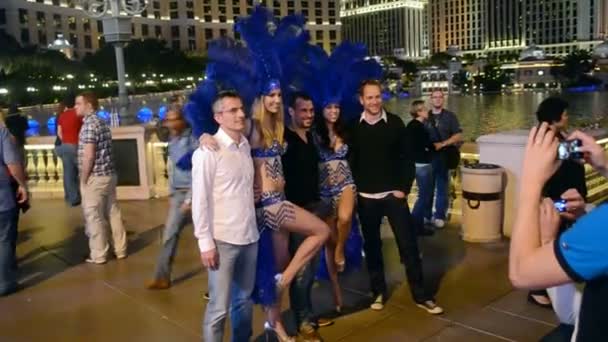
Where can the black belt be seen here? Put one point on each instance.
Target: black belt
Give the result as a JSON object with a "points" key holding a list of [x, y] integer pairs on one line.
{"points": [[477, 197]]}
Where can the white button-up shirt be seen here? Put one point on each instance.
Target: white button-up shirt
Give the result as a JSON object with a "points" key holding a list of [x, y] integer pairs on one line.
{"points": [[371, 122], [222, 194]]}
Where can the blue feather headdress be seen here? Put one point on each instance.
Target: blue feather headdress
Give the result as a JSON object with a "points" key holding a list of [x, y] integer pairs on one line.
{"points": [[335, 79], [257, 30], [251, 70]]}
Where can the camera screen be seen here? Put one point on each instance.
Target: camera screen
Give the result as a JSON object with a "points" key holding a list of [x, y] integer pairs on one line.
{"points": [[560, 205], [569, 150], [563, 151]]}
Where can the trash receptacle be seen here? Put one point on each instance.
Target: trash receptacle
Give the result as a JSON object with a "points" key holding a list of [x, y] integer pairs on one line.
{"points": [[482, 202]]}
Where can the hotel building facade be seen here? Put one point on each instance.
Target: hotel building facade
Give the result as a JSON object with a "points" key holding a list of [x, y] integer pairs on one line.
{"points": [[388, 27], [485, 27], [184, 24]]}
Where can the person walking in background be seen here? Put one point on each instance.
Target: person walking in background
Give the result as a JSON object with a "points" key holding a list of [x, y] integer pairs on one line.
{"points": [[383, 170], [11, 168], [17, 126], [181, 143], [422, 150], [2, 118], [98, 183], [446, 135], [68, 128], [225, 222]]}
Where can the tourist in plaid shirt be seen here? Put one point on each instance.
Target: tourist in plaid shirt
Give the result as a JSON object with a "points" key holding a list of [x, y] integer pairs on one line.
{"points": [[98, 183]]}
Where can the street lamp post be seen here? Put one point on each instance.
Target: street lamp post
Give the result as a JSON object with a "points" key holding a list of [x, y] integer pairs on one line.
{"points": [[117, 31]]}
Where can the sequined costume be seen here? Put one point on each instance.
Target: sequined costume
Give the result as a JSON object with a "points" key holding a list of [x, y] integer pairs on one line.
{"points": [[334, 177], [334, 174], [272, 211]]}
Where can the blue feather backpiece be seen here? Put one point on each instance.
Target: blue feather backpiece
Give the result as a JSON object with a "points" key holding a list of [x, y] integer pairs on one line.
{"points": [[199, 111], [369, 69], [336, 78], [231, 67], [257, 31]]}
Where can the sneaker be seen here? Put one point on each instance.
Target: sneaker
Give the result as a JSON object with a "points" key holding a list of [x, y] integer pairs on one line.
{"points": [[324, 322], [96, 262], [308, 333], [206, 296], [439, 223], [428, 222], [431, 307], [378, 303], [121, 256]]}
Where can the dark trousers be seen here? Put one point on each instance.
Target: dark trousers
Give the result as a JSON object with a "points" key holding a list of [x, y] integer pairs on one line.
{"points": [[371, 212], [300, 291], [8, 243], [561, 333]]}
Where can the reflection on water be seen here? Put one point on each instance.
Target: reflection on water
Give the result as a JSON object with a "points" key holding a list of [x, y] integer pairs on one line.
{"points": [[486, 114]]}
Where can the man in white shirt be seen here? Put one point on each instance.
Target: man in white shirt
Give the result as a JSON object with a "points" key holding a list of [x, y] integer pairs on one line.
{"points": [[224, 222]]}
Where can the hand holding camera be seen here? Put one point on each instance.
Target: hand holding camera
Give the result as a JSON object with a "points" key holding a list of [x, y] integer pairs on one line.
{"points": [[571, 206], [549, 221], [540, 160], [570, 150], [592, 152]]}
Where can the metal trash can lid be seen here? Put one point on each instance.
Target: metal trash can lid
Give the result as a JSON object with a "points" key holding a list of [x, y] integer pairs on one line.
{"points": [[482, 168]]}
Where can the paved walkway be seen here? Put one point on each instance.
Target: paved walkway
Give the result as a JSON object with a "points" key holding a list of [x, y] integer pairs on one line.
{"points": [[67, 300]]}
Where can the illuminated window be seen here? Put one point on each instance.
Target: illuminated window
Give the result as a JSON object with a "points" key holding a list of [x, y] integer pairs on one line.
{"points": [[72, 22]]}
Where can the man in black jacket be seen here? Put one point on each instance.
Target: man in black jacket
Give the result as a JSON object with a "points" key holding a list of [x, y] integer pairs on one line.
{"points": [[301, 171], [384, 172]]}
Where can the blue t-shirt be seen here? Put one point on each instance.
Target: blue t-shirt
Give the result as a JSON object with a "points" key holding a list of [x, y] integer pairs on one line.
{"points": [[582, 250], [8, 155], [583, 254]]}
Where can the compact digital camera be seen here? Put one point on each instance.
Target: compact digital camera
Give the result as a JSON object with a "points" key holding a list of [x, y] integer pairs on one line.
{"points": [[570, 150], [560, 205]]}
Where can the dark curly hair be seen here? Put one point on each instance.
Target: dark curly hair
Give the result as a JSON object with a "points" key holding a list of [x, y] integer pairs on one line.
{"points": [[322, 131], [551, 110]]}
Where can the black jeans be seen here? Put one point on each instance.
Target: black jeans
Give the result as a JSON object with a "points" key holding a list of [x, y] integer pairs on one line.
{"points": [[8, 243], [561, 333], [300, 290], [371, 212]]}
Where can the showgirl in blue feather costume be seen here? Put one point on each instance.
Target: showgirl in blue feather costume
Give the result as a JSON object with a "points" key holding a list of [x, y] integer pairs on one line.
{"points": [[256, 73], [332, 82]]}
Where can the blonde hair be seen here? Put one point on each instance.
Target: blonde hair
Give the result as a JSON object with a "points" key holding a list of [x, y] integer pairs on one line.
{"points": [[416, 107], [261, 120]]}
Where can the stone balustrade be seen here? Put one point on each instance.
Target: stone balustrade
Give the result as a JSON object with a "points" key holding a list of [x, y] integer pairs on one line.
{"points": [[45, 170], [145, 162]]}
